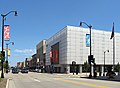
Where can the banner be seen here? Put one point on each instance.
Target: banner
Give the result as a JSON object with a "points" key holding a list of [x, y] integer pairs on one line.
{"points": [[8, 52], [55, 53], [50, 53], [87, 40], [6, 32], [51, 56]]}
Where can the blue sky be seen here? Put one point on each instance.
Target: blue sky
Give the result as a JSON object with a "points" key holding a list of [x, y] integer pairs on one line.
{"points": [[40, 19]]}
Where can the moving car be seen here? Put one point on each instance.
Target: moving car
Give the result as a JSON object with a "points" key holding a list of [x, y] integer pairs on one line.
{"points": [[15, 70]]}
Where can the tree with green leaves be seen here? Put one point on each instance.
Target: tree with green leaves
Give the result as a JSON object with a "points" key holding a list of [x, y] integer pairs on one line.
{"points": [[117, 67], [5, 65], [86, 67]]}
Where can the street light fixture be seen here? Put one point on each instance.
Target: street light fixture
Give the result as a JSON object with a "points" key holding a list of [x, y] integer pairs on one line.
{"points": [[90, 27], [104, 61], [7, 55], [3, 56]]}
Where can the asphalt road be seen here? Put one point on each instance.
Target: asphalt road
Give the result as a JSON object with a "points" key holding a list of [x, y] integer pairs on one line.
{"points": [[44, 80]]}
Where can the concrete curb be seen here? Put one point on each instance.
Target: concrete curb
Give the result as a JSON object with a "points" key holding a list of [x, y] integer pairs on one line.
{"points": [[10, 83], [7, 83]]}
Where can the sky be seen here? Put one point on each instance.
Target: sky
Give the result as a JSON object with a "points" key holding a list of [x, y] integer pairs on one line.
{"points": [[40, 19]]}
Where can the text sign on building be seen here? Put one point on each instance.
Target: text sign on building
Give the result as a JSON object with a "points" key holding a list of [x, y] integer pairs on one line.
{"points": [[87, 40], [6, 32]]}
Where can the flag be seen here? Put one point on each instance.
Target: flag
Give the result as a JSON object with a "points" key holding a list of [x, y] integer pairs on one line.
{"points": [[112, 34]]}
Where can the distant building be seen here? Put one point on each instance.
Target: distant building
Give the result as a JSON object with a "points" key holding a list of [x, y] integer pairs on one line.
{"points": [[33, 62], [28, 63], [20, 65], [41, 53], [72, 44]]}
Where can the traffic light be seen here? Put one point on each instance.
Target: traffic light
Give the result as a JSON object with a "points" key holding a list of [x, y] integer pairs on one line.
{"points": [[91, 59]]}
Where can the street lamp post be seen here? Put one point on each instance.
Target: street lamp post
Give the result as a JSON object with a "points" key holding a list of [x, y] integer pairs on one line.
{"points": [[7, 55], [104, 61], [90, 27], [3, 18]]}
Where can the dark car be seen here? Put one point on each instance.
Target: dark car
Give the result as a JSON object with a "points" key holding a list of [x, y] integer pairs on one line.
{"points": [[15, 70], [24, 71]]}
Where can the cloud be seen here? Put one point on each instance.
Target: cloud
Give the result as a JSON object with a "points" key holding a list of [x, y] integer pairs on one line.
{"points": [[25, 51]]}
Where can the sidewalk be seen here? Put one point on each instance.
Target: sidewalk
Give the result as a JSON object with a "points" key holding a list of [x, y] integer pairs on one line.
{"points": [[86, 75], [70, 75], [10, 83], [116, 78]]}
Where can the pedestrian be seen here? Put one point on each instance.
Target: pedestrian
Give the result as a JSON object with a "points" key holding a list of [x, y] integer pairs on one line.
{"points": [[77, 70], [95, 73]]}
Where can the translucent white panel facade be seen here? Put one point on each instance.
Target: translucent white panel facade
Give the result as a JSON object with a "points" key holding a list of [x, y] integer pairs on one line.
{"points": [[60, 37], [72, 46]]}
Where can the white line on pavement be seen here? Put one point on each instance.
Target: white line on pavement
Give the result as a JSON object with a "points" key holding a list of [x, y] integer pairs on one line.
{"points": [[36, 80]]}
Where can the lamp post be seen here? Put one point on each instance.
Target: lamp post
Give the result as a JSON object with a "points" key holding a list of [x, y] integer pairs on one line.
{"points": [[104, 61], [90, 27], [7, 55], [3, 18]]}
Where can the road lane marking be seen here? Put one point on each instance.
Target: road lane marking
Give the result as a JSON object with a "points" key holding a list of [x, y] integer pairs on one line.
{"points": [[36, 80], [82, 83]]}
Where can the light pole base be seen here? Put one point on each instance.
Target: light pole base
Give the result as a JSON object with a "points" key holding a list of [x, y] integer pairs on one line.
{"points": [[6, 66], [90, 76], [103, 74], [2, 75], [6, 71], [2, 70]]}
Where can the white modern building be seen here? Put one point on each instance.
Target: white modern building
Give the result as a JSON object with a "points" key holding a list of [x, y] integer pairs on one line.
{"points": [[72, 44]]}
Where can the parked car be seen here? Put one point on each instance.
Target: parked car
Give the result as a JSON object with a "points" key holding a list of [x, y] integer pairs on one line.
{"points": [[39, 70], [15, 70], [24, 71], [35, 70]]}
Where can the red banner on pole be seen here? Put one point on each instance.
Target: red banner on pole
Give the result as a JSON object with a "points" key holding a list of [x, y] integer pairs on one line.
{"points": [[6, 32]]}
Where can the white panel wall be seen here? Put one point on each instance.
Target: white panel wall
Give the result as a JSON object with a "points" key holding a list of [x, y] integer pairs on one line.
{"points": [[72, 45], [60, 37], [77, 50]]}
